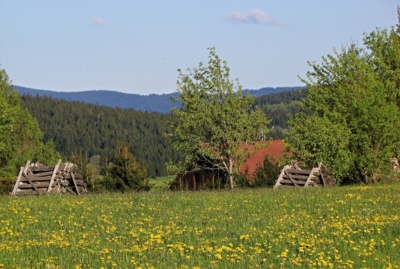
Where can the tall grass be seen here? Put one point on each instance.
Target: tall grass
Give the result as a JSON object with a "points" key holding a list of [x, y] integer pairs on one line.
{"points": [[343, 227]]}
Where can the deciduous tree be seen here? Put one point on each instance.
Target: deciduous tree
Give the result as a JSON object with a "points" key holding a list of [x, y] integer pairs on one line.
{"points": [[351, 114], [20, 136], [216, 119]]}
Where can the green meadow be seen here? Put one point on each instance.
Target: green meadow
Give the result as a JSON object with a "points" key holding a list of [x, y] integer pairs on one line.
{"points": [[338, 227]]}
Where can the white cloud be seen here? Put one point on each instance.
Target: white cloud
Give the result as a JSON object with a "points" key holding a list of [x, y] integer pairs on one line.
{"points": [[256, 16], [99, 21]]}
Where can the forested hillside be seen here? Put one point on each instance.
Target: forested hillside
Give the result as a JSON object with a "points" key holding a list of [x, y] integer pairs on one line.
{"points": [[96, 130], [77, 127], [151, 103]]}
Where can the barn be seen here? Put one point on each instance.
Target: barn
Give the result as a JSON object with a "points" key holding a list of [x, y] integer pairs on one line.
{"points": [[209, 176]]}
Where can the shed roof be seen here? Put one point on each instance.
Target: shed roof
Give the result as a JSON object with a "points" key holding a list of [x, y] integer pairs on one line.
{"points": [[273, 148]]}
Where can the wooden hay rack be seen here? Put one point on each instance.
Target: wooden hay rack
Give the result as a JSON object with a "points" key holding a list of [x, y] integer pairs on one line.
{"points": [[293, 176], [35, 179]]}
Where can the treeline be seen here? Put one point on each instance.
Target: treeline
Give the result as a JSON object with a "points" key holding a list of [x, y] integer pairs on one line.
{"points": [[79, 128], [93, 130]]}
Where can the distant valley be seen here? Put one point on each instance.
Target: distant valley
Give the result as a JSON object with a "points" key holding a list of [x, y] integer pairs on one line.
{"points": [[148, 103]]}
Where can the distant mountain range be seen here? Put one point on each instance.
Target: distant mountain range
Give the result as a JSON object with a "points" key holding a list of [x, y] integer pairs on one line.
{"points": [[151, 103]]}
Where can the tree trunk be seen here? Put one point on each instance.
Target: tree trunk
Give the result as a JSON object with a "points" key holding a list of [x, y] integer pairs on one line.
{"points": [[231, 175]]}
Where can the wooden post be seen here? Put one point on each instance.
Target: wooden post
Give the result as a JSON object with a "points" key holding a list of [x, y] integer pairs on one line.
{"points": [[17, 181], [26, 167], [277, 183], [309, 179], [53, 175], [73, 180], [22, 170], [291, 179], [322, 174]]}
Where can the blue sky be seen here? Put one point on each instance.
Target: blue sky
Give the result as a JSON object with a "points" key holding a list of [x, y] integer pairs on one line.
{"points": [[137, 46]]}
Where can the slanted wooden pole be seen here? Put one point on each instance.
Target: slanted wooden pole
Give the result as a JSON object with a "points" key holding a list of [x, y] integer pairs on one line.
{"points": [[22, 170], [17, 181], [73, 180], [53, 175], [30, 182]]}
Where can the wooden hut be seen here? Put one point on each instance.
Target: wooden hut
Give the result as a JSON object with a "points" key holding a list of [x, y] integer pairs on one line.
{"points": [[203, 174]]}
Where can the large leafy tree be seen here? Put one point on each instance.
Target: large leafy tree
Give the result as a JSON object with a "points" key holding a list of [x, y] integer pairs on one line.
{"points": [[20, 136], [216, 120], [350, 117]]}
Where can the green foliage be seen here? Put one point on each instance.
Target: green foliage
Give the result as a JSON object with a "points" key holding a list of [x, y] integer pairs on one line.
{"points": [[126, 173], [173, 168], [20, 136], [89, 168], [216, 118], [6, 185], [351, 115]]}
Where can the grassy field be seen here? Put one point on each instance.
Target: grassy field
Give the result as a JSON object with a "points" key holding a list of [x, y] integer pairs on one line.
{"points": [[343, 227]]}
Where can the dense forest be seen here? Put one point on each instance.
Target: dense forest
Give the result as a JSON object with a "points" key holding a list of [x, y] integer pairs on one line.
{"points": [[89, 129], [151, 103], [94, 130]]}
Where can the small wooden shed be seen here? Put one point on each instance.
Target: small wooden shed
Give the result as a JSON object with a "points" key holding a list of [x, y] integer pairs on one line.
{"points": [[39, 179], [293, 176]]}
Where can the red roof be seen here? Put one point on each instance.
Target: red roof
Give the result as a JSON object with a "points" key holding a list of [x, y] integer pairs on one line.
{"points": [[274, 148]]}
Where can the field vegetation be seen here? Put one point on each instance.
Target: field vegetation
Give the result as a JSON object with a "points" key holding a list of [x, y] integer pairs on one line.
{"points": [[338, 227]]}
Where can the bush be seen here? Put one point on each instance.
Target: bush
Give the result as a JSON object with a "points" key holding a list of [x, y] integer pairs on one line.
{"points": [[6, 185]]}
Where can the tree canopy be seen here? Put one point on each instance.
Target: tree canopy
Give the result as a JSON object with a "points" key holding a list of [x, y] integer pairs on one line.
{"points": [[350, 117], [20, 136], [216, 120]]}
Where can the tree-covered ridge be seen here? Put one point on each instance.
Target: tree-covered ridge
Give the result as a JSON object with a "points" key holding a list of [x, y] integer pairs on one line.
{"points": [[89, 129], [151, 103]]}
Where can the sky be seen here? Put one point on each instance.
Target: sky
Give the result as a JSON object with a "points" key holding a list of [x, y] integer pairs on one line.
{"points": [[136, 46]]}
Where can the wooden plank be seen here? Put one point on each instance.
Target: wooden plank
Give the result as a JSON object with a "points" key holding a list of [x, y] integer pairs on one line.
{"points": [[30, 192], [33, 178], [76, 186], [291, 179], [42, 169], [288, 181], [296, 171], [53, 175], [30, 182], [43, 174], [17, 181], [297, 177], [35, 186]]}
